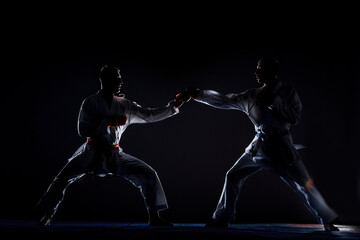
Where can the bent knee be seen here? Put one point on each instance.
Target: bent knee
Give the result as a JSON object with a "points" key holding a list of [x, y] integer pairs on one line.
{"points": [[240, 174], [149, 173], [233, 175]]}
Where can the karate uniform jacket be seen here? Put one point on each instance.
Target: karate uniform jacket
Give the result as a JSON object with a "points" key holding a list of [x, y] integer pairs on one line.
{"points": [[94, 123], [272, 123]]}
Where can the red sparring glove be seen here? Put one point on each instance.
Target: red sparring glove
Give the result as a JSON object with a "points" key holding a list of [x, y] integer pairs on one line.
{"points": [[180, 99], [185, 96], [116, 121]]}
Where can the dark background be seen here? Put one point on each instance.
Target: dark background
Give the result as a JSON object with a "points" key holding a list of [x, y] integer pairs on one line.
{"points": [[50, 64]]}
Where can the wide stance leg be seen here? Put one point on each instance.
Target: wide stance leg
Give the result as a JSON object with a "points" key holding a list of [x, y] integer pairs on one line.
{"points": [[50, 201], [298, 179], [144, 177], [234, 181]]}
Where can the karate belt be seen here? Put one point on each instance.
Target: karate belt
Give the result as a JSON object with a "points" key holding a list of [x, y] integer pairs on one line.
{"points": [[102, 146], [264, 136]]}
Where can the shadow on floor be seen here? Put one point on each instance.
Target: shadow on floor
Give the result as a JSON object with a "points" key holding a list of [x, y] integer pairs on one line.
{"points": [[119, 230]]}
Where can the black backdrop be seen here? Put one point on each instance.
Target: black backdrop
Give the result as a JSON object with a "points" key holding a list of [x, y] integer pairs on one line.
{"points": [[49, 73]]}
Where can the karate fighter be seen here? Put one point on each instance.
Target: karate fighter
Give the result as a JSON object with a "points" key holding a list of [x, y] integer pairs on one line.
{"points": [[273, 108], [102, 119]]}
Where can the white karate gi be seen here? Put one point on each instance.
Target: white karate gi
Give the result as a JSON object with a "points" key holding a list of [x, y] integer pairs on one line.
{"points": [[101, 156], [271, 149]]}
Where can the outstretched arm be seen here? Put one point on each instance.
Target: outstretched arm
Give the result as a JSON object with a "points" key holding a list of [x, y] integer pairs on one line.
{"points": [[139, 114], [221, 101]]}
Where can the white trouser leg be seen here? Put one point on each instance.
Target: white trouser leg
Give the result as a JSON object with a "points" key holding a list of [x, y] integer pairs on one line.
{"points": [[234, 180]]}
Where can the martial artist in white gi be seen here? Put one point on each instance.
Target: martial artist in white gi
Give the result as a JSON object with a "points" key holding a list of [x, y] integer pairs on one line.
{"points": [[102, 119], [272, 108]]}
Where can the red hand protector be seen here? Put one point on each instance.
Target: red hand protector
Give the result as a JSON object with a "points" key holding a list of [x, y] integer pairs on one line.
{"points": [[181, 98], [116, 121], [185, 96]]}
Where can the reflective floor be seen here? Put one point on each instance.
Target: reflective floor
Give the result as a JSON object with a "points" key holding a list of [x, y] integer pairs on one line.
{"points": [[17, 229]]}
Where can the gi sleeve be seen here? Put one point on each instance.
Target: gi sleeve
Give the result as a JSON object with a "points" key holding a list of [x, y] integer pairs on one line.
{"points": [[222, 101], [288, 106], [139, 114]]}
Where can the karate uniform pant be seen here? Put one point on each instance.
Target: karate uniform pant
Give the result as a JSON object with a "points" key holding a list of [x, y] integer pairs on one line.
{"points": [[294, 176], [140, 174]]}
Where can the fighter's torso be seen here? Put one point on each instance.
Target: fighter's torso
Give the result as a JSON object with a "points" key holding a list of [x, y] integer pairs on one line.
{"points": [[99, 111], [261, 115]]}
